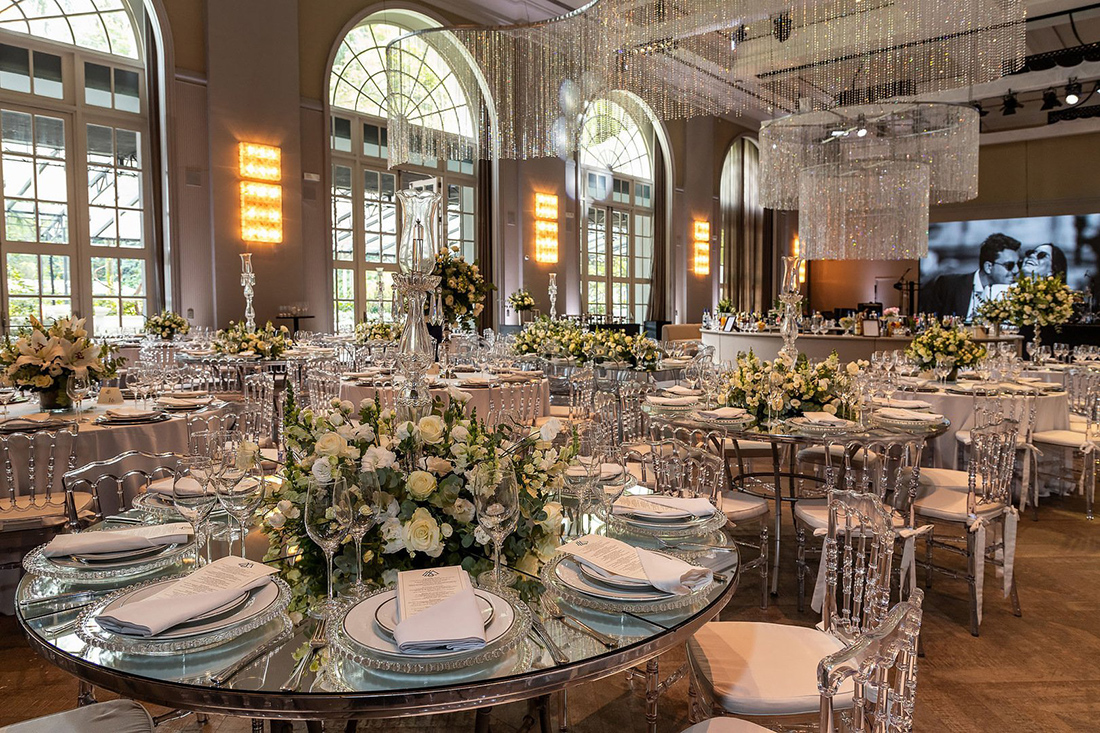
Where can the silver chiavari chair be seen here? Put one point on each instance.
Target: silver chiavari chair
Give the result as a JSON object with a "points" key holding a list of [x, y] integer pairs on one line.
{"points": [[32, 498], [113, 483], [633, 420], [727, 659]]}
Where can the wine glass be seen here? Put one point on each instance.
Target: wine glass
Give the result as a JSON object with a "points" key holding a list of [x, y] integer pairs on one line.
{"points": [[640, 347], [193, 493], [497, 513], [327, 525], [240, 484], [691, 374], [8, 393], [358, 505], [944, 365], [77, 387]]}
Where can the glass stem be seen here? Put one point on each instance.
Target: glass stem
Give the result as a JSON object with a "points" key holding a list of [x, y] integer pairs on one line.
{"points": [[328, 559], [358, 560], [496, 562]]}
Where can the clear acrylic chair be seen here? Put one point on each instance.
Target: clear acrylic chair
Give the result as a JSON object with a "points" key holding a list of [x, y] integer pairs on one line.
{"points": [[770, 670], [31, 493], [973, 502], [321, 388], [259, 395], [1082, 439], [883, 669], [114, 483]]}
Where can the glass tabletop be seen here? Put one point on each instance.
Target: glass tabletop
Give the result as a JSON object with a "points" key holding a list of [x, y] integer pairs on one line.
{"points": [[246, 673]]}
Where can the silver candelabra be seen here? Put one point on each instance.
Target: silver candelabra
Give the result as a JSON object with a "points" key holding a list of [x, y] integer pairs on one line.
{"points": [[248, 282], [552, 289]]}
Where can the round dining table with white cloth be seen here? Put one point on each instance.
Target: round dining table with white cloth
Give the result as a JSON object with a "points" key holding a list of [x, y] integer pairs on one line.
{"points": [[1051, 413], [356, 392]]}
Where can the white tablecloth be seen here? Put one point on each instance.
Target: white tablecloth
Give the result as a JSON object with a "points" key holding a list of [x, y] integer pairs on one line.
{"points": [[1051, 413], [479, 396]]}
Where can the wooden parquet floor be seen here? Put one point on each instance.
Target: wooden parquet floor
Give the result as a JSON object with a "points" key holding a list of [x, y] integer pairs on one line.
{"points": [[1035, 674]]}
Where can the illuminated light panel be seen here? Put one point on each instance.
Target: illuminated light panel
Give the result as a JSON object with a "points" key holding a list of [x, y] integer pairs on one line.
{"points": [[546, 228], [260, 162], [261, 212], [701, 238], [796, 251]]}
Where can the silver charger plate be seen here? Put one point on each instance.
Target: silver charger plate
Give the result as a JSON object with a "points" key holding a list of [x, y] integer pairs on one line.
{"points": [[366, 646], [236, 611], [134, 554], [261, 607], [569, 573], [72, 570], [118, 421], [551, 580], [687, 528], [386, 613], [806, 425]]}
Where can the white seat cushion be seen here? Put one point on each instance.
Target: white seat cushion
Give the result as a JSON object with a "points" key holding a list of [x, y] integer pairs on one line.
{"points": [[1078, 422], [944, 478], [26, 517], [949, 505], [726, 725], [815, 514], [764, 669], [1063, 438], [559, 410], [115, 716], [747, 449], [741, 507]]}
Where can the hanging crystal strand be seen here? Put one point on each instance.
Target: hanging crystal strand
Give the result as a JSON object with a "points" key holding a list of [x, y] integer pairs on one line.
{"points": [[393, 303], [436, 314]]}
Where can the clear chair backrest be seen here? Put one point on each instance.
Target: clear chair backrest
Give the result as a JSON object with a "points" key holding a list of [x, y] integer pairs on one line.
{"points": [[385, 394], [1082, 384], [582, 389], [888, 469], [206, 422], [259, 395], [635, 421], [859, 547], [114, 483], [322, 387], [883, 667], [992, 465], [32, 464], [680, 469]]}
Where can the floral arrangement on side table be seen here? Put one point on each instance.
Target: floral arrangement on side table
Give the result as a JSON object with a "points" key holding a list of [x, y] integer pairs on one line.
{"points": [[377, 331], [521, 301], [785, 388], [41, 359], [939, 341], [536, 336], [463, 289], [427, 472], [167, 325], [269, 342]]}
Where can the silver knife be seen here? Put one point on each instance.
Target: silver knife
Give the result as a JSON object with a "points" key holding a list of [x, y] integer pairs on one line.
{"points": [[224, 675]]}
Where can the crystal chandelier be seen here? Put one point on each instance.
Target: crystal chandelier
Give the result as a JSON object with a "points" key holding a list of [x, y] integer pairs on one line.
{"points": [[529, 85]]}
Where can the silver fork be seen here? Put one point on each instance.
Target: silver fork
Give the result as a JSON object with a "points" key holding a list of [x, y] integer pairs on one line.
{"points": [[316, 642], [554, 611], [556, 653]]}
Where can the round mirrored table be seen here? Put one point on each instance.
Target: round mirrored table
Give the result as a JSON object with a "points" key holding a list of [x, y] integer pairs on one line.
{"points": [[244, 676]]}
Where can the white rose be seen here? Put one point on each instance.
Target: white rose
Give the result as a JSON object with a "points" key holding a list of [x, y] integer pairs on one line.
{"points": [[460, 434], [275, 520], [553, 520], [420, 484], [550, 429], [322, 471], [405, 430], [375, 458], [330, 444], [462, 510], [458, 395], [431, 429], [438, 466], [422, 534], [393, 535]]}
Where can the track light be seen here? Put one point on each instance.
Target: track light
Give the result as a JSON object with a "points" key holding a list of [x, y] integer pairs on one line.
{"points": [[1010, 104], [978, 106], [1050, 100], [1073, 92]]}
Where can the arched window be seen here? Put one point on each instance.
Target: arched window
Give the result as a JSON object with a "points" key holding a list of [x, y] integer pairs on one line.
{"points": [[74, 113], [365, 222], [742, 255], [617, 248]]}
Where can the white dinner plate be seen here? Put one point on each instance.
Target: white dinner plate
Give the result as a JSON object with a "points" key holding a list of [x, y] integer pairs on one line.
{"points": [[569, 573], [132, 554], [127, 559], [386, 614], [807, 425]]}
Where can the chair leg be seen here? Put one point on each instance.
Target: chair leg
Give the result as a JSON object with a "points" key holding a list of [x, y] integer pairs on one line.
{"points": [[800, 567], [563, 709], [85, 694], [971, 579], [928, 560], [764, 564]]}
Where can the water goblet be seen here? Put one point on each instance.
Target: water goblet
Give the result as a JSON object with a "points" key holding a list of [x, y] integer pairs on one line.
{"points": [[497, 509], [327, 525], [240, 484], [77, 387], [193, 493], [361, 509], [8, 393]]}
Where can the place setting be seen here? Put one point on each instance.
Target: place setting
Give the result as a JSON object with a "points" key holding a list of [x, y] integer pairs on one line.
{"points": [[910, 419], [664, 515], [120, 416], [822, 423]]}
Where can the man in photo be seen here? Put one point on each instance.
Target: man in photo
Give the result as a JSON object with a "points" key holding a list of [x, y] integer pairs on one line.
{"points": [[1044, 261], [960, 294]]}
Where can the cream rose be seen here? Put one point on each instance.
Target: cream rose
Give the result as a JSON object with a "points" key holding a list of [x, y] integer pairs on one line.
{"points": [[322, 471], [438, 466], [431, 429], [462, 510], [422, 534], [420, 484], [330, 444]]}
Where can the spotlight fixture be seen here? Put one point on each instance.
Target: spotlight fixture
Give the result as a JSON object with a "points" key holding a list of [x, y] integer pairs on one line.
{"points": [[1010, 104], [1073, 92], [861, 126], [978, 106], [781, 27], [1050, 100]]}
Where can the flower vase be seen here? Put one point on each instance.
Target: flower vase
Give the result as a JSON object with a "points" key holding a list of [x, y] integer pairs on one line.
{"points": [[953, 375], [1036, 343], [56, 397]]}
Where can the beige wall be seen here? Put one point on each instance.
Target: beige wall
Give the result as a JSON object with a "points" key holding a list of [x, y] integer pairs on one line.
{"points": [[187, 19]]}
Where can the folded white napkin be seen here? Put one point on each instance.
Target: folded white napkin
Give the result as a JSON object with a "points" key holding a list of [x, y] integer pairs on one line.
{"points": [[823, 418], [916, 382], [474, 382], [672, 360], [187, 487], [204, 590], [117, 540], [673, 575], [671, 401], [903, 404], [681, 390], [184, 394], [613, 558], [171, 401], [454, 624], [724, 413], [362, 375], [896, 413], [131, 413], [697, 507], [607, 470]]}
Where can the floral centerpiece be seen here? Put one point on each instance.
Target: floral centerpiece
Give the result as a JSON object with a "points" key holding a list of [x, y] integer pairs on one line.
{"points": [[785, 388], [939, 341], [604, 346], [428, 473], [377, 331], [725, 305], [42, 359], [545, 334], [1040, 301], [269, 342], [462, 287], [521, 301], [167, 325], [995, 311]]}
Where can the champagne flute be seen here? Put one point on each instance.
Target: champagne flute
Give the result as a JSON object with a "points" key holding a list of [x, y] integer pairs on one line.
{"points": [[327, 525], [497, 514], [358, 505], [193, 493]]}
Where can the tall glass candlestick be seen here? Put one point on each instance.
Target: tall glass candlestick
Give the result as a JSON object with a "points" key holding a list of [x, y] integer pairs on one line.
{"points": [[248, 282], [553, 291], [791, 297]]}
